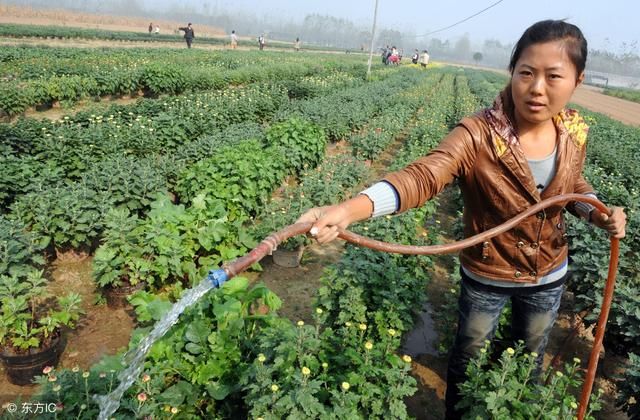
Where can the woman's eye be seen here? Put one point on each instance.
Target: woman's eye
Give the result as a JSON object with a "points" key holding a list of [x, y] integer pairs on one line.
{"points": [[525, 73], [555, 76]]}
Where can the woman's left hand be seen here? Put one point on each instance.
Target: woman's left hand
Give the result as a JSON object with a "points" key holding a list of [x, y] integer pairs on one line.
{"points": [[614, 224]]}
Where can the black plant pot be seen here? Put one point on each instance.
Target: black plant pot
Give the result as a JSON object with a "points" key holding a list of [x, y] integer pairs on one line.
{"points": [[23, 368]]}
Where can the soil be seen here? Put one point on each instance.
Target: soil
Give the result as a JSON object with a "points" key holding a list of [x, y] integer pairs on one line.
{"points": [[59, 17], [101, 331]]}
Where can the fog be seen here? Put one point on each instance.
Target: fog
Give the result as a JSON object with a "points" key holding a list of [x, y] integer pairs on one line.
{"points": [[339, 32]]}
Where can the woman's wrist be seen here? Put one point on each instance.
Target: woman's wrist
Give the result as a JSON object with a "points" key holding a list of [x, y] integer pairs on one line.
{"points": [[357, 208]]}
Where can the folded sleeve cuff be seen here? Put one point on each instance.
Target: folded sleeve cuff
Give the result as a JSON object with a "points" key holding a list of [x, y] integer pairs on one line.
{"points": [[584, 209], [384, 198]]}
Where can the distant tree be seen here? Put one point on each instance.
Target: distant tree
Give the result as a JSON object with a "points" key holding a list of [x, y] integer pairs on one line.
{"points": [[462, 49], [477, 57]]}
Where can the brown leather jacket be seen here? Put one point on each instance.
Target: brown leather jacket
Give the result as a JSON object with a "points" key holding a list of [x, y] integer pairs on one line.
{"points": [[497, 184]]}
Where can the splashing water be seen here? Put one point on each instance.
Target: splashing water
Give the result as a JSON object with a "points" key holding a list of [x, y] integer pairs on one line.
{"points": [[110, 403]]}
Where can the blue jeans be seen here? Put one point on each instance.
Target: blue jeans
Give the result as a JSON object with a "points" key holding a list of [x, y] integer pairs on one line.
{"points": [[479, 308]]}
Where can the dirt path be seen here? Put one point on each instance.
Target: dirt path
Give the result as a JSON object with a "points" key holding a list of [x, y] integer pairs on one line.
{"points": [[619, 109]]}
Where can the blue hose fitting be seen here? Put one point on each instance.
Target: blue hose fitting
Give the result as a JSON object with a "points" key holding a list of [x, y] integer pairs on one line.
{"points": [[217, 277]]}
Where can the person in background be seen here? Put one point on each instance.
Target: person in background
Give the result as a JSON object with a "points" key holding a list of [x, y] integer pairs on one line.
{"points": [[157, 31], [296, 45], [424, 58], [261, 42], [150, 27], [234, 40], [189, 34], [525, 148], [415, 56]]}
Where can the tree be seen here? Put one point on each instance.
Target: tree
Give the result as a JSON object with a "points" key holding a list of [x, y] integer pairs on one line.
{"points": [[477, 57]]}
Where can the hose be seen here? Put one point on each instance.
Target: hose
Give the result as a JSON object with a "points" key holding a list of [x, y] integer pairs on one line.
{"points": [[269, 244]]}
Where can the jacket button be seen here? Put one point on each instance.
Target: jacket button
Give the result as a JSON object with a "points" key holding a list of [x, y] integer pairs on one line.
{"points": [[540, 215], [533, 274], [520, 244], [517, 274], [485, 244], [534, 245]]}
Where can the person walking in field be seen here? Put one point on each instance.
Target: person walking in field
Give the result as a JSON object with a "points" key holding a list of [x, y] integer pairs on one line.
{"points": [[150, 27], [189, 34], [296, 45], [525, 148], [424, 59], [415, 57], [261, 42], [234, 40]]}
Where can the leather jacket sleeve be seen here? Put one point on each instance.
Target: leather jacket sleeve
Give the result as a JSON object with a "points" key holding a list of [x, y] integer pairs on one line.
{"points": [[427, 176]]}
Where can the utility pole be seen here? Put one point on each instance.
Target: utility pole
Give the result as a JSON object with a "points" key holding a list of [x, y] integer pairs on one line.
{"points": [[373, 37]]}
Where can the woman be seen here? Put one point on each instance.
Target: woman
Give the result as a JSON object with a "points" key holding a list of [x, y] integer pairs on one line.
{"points": [[526, 148]]}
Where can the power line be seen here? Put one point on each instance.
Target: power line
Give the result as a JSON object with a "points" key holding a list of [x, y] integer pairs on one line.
{"points": [[463, 20]]}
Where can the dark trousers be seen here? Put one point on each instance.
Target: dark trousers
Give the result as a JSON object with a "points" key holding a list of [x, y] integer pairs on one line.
{"points": [[479, 308], [189, 41]]}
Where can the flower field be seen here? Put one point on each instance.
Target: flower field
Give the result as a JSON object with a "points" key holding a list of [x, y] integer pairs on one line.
{"points": [[219, 150]]}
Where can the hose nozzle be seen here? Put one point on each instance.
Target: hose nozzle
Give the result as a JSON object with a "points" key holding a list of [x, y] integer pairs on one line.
{"points": [[217, 277]]}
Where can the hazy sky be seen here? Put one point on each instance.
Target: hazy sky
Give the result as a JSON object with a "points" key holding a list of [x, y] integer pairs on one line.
{"points": [[599, 19]]}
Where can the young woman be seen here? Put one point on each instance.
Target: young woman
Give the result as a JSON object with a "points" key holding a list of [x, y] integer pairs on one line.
{"points": [[525, 148]]}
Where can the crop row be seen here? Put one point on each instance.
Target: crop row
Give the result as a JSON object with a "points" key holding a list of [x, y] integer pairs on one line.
{"points": [[152, 76]]}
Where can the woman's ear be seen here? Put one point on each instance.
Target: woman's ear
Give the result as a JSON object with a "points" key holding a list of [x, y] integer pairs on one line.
{"points": [[580, 79]]}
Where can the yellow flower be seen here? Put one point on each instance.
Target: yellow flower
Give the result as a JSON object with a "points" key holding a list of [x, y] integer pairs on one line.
{"points": [[391, 332], [325, 365], [56, 388], [274, 388], [511, 351], [306, 371], [174, 410], [346, 386], [483, 351], [368, 345], [559, 374], [534, 354], [347, 324], [574, 405], [406, 358], [362, 327], [319, 311], [85, 374], [261, 358], [300, 323], [576, 360], [146, 378]]}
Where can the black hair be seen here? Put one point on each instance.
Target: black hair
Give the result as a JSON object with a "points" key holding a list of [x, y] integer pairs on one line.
{"points": [[553, 30]]}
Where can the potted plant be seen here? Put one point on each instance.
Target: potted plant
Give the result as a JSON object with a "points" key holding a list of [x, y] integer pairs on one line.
{"points": [[289, 252], [118, 266], [31, 325]]}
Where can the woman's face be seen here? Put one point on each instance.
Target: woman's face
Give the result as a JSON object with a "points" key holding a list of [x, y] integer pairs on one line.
{"points": [[542, 82]]}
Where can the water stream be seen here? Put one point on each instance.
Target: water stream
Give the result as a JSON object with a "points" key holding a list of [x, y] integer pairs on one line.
{"points": [[109, 403]]}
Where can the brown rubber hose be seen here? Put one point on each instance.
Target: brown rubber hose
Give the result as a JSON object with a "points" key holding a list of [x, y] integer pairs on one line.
{"points": [[269, 244]]}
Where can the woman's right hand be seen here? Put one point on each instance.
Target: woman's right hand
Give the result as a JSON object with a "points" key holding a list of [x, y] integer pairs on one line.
{"points": [[326, 221]]}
